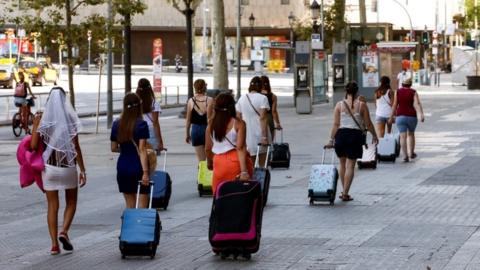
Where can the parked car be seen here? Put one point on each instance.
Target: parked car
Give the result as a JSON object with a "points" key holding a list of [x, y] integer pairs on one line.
{"points": [[7, 76], [6, 60], [39, 73]]}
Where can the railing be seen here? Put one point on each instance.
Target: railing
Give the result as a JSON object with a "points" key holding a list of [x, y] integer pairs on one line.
{"points": [[172, 96]]}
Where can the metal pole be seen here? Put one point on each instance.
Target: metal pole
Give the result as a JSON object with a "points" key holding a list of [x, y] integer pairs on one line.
{"points": [[89, 47], [412, 36], [35, 47], [204, 34], [60, 60], [109, 69], [98, 94], [292, 51], [10, 49], [239, 45], [128, 54]]}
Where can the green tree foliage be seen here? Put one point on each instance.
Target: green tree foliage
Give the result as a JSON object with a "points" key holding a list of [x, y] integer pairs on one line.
{"points": [[334, 24], [6, 8]]}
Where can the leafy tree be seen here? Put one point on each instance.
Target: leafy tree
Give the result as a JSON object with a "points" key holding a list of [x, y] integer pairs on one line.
{"points": [[187, 8], [334, 24], [58, 30]]}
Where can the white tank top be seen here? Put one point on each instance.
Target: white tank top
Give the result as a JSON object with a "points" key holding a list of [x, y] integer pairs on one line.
{"points": [[384, 106], [225, 146], [346, 120]]}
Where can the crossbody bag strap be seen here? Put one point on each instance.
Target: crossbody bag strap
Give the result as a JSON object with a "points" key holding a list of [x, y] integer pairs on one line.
{"points": [[384, 98], [136, 147], [196, 104], [251, 104], [353, 117]]}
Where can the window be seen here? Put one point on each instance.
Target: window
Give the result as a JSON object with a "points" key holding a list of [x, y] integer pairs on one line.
{"points": [[245, 2], [285, 2]]}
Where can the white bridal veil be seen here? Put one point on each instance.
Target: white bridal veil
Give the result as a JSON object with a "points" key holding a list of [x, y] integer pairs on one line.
{"points": [[58, 126]]}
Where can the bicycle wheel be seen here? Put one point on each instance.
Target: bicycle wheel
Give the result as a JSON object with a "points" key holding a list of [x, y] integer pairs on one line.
{"points": [[17, 124]]}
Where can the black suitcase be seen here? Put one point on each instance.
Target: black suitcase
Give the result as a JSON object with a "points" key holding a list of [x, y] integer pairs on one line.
{"points": [[262, 174], [236, 219], [280, 157], [140, 231], [163, 187]]}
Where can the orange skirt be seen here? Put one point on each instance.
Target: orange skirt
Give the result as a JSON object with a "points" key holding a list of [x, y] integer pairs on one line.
{"points": [[226, 167]]}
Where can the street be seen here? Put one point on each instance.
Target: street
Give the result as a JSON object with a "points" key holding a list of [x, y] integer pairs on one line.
{"points": [[404, 215]]}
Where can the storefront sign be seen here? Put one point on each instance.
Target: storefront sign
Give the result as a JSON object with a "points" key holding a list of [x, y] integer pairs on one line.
{"points": [[157, 67], [370, 68]]}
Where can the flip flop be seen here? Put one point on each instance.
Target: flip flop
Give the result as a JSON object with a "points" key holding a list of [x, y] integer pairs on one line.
{"points": [[66, 244], [347, 198]]}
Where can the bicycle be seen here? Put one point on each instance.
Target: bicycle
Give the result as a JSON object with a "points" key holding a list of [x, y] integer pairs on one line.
{"points": [[18, 125]]}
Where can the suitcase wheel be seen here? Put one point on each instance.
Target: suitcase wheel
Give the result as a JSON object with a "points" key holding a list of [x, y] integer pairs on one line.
{"points": [[332, 202], [311, 201], [247, 256], [165, 207], [123, 257], [223, 255]]}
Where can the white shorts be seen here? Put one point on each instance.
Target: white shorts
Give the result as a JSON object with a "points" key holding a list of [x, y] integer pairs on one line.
{"points": [[59, 178]]}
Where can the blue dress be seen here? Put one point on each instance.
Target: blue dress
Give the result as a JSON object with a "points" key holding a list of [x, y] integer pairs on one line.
{"points": [[129, 168]]}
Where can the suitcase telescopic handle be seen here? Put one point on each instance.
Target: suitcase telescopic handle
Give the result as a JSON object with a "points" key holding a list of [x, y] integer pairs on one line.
{"points": [[281, 135], [164, 159], [323, 155], [151, 194], [257, 162]]}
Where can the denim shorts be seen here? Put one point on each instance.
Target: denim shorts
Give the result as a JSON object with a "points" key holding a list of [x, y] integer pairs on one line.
{"points": [[381, 119], [19, 101], [198, 134], [406, 123]]}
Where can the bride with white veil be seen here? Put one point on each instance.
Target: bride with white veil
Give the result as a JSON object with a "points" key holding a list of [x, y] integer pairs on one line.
{"points": [[57, 129]]}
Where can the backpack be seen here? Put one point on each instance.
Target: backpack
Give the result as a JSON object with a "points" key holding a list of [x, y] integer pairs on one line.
{"points": [[20, 90]]}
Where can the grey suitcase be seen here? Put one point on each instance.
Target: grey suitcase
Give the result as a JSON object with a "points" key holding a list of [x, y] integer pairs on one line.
{"points": [[322, 185], [386, 149]]}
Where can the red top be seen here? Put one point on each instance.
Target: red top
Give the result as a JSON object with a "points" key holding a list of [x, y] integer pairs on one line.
{"points": [[405, 98]]}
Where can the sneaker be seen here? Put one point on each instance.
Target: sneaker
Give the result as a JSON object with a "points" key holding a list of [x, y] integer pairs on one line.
{"points": [[66, 244]]}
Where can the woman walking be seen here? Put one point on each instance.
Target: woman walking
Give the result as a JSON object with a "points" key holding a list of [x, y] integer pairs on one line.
{"points": [[197, 118], [151, 111], [273, 119], [383, 96], [225, 144], [22, 89], [407, 108], [351, 119], [129, 137], [252, 108], [57, 129]]}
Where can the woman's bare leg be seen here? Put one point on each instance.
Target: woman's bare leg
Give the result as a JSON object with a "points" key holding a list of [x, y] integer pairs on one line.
{"points": [[200, 151], [52, 215], [71, 196], [380, 129], [403, 144], [349, 173], [130, 199], [341, 171]]}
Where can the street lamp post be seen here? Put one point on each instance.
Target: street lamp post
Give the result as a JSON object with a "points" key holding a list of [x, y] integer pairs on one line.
{"points": [[315, 8], [291, 21], [89, 38], [239, 45], [251, 21]]}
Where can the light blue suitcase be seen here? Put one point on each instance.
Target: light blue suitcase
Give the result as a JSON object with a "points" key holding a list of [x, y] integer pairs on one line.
{"points": [[140, 231], [322, 185]]}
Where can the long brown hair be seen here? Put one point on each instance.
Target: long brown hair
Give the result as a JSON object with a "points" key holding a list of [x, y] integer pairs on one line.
{"points": [[145, 92], [383, 88], [351, 90], [266, 84], [200, 86], [255, 84], [132, 111], [224, 111]]}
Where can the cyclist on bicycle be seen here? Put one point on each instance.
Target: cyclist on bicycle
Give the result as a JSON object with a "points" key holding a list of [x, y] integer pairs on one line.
{"points": [[21, 100]]}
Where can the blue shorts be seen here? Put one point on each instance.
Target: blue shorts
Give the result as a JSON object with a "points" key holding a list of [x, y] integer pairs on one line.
{"points": [[198, 134], [406, 123], [381, 119], [19, 101]]}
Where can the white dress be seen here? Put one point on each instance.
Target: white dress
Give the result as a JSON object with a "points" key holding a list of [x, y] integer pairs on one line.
{"points": [[58, 177], [252, 119]]}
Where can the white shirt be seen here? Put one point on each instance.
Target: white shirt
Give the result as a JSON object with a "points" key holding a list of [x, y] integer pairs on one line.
{"points": [[346, 120], [225, 145], [384, 105], [402, 76], [148, 116], [251, 118]]}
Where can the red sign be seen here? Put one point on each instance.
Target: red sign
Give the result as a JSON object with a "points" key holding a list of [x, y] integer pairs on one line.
{"points": [[157, 66]]}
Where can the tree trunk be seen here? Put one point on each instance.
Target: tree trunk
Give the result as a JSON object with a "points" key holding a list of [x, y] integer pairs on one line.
{"points": [[70, 62], [128, 54], [188, 15], [220, 68]]}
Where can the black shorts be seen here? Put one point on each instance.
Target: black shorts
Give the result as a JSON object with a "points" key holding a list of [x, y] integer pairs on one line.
{"points": [[349, 143]]}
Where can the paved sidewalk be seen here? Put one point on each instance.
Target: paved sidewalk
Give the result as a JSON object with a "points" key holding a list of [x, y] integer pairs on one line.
{"points": [[404, 216]]}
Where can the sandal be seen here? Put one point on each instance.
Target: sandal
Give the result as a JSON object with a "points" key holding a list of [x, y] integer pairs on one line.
{"points": [[406, 160], [341, 195], [347, 198], [66, 244], [414, 155], [55, 250]]}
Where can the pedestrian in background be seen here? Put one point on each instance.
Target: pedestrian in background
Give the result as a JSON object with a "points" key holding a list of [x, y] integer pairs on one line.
{"points": [[22, 89], [407, 108], [151, 112], [252, 108], [197, 118], [57, 129], [403, 75], [226, 144], [383, 96], [273, 119], [351, 120], [129, 137]]}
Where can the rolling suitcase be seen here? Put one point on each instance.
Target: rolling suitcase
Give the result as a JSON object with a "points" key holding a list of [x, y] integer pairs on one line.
{"points": [[140, 231], [236, 219], [386, 149], [262, 175], [280, 157], [162, 189], [369, 157], [204, 179], [322, 185]]}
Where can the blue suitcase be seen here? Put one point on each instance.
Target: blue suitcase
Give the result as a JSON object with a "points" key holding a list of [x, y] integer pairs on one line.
{"points": [[162, 189], [140, 231]]}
